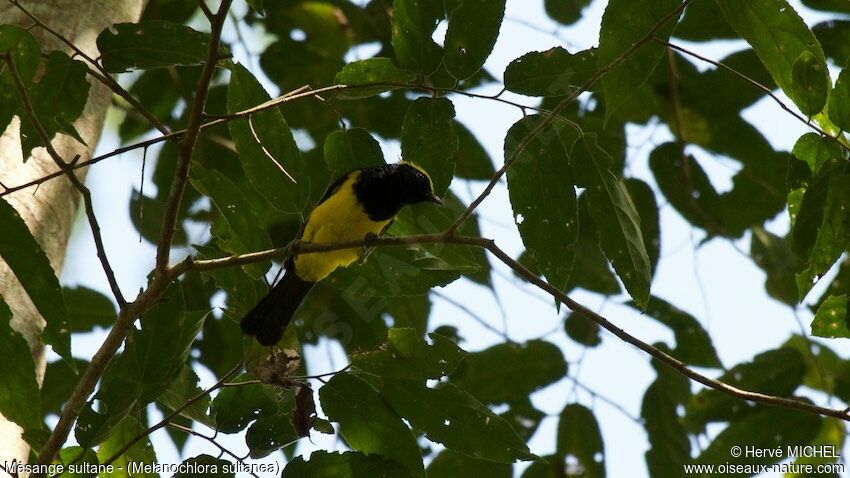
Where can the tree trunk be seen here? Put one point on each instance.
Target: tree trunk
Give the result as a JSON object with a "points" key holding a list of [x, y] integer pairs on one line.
{"points": [[50, 212]]}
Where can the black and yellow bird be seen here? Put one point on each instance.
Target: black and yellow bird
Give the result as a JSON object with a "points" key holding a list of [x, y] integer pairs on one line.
{"points": [[360, 203]]}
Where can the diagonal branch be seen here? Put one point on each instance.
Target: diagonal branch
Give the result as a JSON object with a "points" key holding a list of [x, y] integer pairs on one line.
{"points": [[84, 191], [187, 144]]}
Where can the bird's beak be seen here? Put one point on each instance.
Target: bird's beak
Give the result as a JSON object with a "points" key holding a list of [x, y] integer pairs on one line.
{"points": [[435, 199]]}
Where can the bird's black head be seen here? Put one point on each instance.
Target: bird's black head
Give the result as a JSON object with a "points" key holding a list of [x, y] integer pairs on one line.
{"points": [[383, 190]]}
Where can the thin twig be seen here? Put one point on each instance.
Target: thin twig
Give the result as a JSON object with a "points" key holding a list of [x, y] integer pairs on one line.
{"points": [[218, 445], [477, 318]]}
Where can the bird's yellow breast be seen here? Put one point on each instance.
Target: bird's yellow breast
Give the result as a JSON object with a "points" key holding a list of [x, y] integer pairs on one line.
{"points": [[340, 217]]}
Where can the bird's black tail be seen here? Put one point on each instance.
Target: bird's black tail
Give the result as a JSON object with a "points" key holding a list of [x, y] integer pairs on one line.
{"points": [[269, 318]]}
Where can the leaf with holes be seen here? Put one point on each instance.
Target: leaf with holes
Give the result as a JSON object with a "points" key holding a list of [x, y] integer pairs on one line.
{"points": [[472, 32]]}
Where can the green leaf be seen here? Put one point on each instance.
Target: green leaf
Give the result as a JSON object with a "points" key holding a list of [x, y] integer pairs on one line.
{"points": [[509, 372], [59, 382], [617, 219], [543, 198], [693, 343], [184, 389], [84, 459], [30, 265], [670, 447], [590, 270], [151, 44], [767, 428], [702, 21], [816, 150], [216, 466], [20, 400], [285, 193], [455, 419], [780, 37], [621, 29], [582, 330], [822, 227], [832, 35], [776, 372], [257, 5], [141, 453], [650, 227], [234, 408], [428, 139], [367, 422], [58, 100], [349, 464], [407, 356], [472, 32], [88, 308], [25, 52], [809, 83], [472, 161], [565, 12], [773, 255], [830, 437], [151, 361], [579, 437], [451, 464], [554, 72], [687, 187], [349, 149], [824, 367], [244, 232], [272, 432], [413, 24], [370, 71], [839, 101], [524, 418], [831, 318]]}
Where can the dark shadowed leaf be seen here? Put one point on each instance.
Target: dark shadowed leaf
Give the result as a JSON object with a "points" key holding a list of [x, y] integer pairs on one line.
{"points": [[20, 401], [455, 419], [407, 356], [371, 71], [88, 308], [350, 464], [217, 464], [554, 72], [152, 44], [839, 101], [367, 422], [621, 30], [472, 32], [693, 344], [349, 149], [765, 428], [776, 372], [616, 217], [472, 161], [413, 23], [285, 193], [451, 464], [832, 36], [234, 408], [543, 198], [670, 447], [582, 330], [30, 265], [579, 438], [650, 227], [59, 382], [779, 37], [427, 120], [509, 372], [773, 255], [809, 83], [565, 12]]}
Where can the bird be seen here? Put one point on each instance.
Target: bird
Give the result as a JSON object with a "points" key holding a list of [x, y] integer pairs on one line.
{"points": [[360, 204]]}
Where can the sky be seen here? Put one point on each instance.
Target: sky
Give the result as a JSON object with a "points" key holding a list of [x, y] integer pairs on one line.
{"points": [[716, 282]]}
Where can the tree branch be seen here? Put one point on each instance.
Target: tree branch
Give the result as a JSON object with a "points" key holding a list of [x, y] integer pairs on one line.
{"points": [[187, 144]]}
